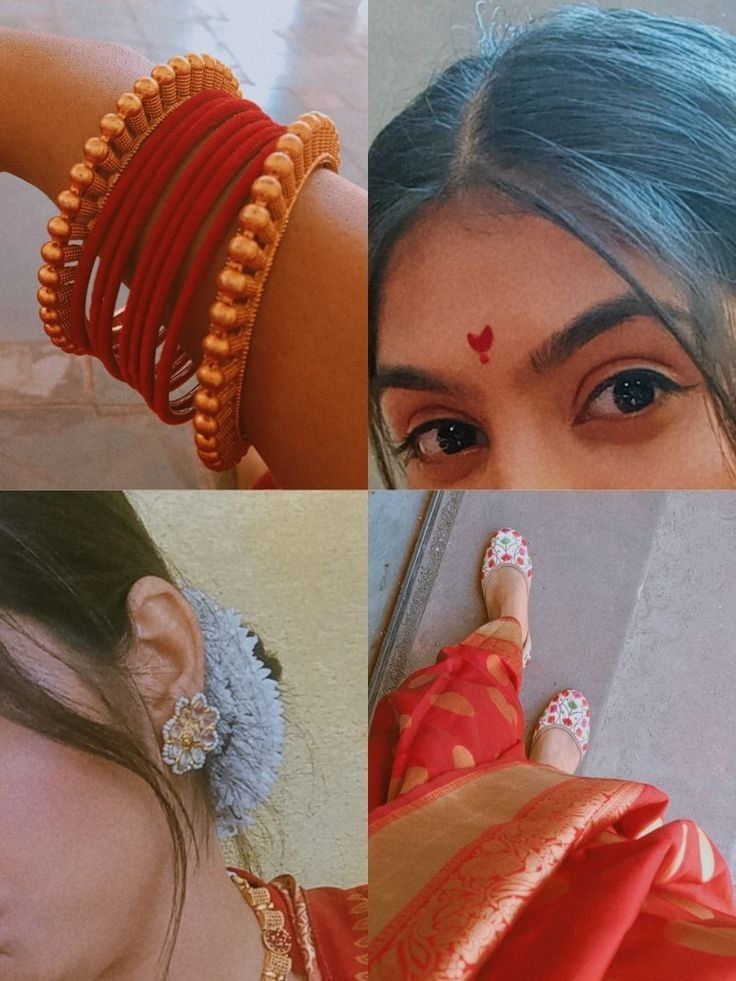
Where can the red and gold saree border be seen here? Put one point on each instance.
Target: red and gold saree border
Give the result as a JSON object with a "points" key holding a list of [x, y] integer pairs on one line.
{"points": [[452, 869]]}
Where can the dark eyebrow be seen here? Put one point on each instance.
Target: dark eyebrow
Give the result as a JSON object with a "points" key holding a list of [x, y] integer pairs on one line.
{"points": [[597, 320], [558, 347], [413, 379]]}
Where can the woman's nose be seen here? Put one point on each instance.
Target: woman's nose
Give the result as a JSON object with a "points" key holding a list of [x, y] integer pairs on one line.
{"points": [[530, 457]]}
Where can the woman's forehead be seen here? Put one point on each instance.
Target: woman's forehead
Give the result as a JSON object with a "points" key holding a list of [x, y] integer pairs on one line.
{"points": [[463, 266]]}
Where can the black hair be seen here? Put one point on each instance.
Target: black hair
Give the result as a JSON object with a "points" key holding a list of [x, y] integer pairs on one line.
{"points": [[618, 126], [67, 563]]}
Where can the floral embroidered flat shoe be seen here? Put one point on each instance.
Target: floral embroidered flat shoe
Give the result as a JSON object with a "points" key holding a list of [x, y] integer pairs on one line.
{"points": [[508, 547], [568, 710]]}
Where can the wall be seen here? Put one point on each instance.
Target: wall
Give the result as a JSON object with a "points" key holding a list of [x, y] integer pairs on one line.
{"points": [[411, 40], [295, 564]]}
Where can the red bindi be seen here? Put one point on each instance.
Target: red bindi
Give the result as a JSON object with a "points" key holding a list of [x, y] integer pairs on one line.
{"points": [[481, 343]]}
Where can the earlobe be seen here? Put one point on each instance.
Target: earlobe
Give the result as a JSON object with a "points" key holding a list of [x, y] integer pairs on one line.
{"points": [[166, 659]]}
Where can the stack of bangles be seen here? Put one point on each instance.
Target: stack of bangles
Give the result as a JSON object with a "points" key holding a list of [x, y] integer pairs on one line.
{"points": [[189, 110]]}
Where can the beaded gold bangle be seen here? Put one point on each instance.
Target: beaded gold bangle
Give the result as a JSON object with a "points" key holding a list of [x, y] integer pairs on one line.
{"points": [[276, 939], [310, 142], [105, 157]]}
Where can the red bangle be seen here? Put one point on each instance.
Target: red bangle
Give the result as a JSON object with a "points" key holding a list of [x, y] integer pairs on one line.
{"points": [[170, 374], [224, 220], [128, 348], [117, 198], [127, 210], [209, 139], [163, 236], [230, 148]]}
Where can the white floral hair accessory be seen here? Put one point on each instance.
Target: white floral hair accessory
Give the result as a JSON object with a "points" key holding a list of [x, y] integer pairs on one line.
{"points": [[242, 769]]}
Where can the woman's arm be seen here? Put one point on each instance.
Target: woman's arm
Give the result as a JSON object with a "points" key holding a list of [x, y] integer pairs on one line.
{"points": [[305, 398]]}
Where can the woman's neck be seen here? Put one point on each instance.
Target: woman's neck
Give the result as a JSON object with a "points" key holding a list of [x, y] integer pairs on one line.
{"points": [[218, 934]]}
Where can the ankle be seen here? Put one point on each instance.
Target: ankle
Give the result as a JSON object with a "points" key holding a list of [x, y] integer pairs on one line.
{"points": [[517, 610], [557, 749]]}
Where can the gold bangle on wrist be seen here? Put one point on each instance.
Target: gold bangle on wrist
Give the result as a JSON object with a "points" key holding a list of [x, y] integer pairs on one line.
{"points": [[310, 142]]}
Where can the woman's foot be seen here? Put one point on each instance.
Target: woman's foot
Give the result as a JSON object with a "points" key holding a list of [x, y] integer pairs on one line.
{"points": [[505, 580], [555, 748], [562, 733]]}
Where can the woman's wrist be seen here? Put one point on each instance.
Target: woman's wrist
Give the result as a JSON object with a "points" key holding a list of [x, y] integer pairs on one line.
{"points": [[310, 344], [304, 395]]}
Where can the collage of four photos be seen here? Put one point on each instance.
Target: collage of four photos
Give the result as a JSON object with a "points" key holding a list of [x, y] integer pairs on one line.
{"points": [[367, 490]]}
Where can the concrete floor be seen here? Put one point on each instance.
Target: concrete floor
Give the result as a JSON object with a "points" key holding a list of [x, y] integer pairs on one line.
{"points": [[394, 522], [631, 603], [67, 424]]}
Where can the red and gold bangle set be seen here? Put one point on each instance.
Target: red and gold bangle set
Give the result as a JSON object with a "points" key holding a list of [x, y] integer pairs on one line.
{"points": [[182, 139]]}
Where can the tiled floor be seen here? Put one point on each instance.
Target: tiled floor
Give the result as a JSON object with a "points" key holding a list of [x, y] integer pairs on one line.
{"points": [[630, 604], [67, 424]]}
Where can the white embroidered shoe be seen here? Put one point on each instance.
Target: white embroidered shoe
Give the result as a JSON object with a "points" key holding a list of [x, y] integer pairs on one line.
{"points": [[508, 547], [568, 710]]}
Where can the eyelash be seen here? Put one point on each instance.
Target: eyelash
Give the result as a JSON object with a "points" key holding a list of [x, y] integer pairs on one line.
{"points": [[408, 450], [664, 386]]}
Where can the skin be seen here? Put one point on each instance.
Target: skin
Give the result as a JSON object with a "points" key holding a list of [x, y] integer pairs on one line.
{"points": [[538, 421], [506, 595], [304, 401], [86, 882]]}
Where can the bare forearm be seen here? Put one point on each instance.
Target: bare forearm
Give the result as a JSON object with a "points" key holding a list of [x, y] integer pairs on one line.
{"points": [[311, 346], [54, 92], [304, 402]]}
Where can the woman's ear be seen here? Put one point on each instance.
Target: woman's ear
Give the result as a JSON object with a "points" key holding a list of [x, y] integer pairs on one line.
{"points": [[167, 657]]}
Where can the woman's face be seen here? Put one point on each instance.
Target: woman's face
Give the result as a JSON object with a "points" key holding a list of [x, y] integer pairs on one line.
{"points": [[84, 856], [512, 356]]}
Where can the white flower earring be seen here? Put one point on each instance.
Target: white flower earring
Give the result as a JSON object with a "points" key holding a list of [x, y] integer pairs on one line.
{"points": [[190, 734]]}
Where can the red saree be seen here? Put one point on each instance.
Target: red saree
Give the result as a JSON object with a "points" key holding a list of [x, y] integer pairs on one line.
{"points": [[328, 928], [485, 865]]}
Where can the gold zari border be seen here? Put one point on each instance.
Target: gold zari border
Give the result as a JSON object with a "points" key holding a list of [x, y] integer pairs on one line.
{"points": [[448, 878]]}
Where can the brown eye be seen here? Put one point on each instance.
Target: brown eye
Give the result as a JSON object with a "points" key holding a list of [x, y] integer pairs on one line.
{"points": [[628, 393], [441, 437]]}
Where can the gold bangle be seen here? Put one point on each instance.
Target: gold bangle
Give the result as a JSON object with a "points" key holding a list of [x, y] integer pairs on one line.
{"points": [[105, 158], [310, 142], [274, 936]]}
